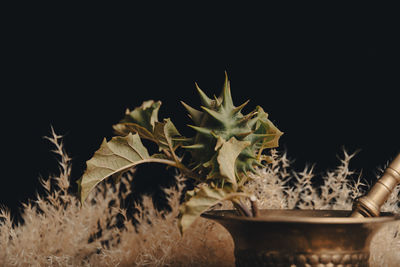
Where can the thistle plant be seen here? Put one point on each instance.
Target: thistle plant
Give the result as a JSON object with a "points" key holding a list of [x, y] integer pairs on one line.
{"points": [[226, 148]]}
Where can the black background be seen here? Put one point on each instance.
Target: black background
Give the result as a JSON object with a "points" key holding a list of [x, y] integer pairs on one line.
{"points": [[327, 75]]}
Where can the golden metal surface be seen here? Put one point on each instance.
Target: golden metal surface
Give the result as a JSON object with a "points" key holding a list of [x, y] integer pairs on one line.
{"points": [[311, 237], [370, 205], [300, 237]]}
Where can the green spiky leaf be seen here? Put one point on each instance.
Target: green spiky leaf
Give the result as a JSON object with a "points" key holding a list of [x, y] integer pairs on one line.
{"points": [[221, 119]]}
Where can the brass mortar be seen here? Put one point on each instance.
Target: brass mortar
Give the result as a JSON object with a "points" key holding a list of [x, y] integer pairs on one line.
{"points": [[300, 237], [311, 237]]}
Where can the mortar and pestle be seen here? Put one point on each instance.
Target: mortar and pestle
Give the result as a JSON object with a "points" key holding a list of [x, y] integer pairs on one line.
{"points": [[312, 237]]}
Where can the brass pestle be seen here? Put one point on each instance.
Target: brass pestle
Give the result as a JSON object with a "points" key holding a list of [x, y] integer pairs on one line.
{"points": [[370, 205]]}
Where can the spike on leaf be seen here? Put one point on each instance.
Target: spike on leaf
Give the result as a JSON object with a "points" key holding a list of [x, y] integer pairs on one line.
{"points": [[216, 115], [218, 101], [195, 146], [248, 117], [239, 108], [226, 96], [205, 100], [195, 114], [201, 130], [259, 164]]}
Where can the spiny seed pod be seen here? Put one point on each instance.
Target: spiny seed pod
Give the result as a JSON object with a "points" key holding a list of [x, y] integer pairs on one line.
{"points": [[221, 120], [226, 147]]}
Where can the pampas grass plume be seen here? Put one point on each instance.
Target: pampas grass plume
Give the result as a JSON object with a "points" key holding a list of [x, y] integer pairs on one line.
{"points": [[58, 231]]}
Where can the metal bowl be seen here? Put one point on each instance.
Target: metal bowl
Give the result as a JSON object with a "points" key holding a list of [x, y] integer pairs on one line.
{"points": [[300, 237]]}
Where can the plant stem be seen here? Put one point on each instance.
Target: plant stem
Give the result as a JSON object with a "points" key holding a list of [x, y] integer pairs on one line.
{"points": [[254, 207], [174, 162], [241, 208]]}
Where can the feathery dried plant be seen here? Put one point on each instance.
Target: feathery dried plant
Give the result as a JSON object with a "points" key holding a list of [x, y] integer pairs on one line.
{"points": [[58, 231], [280, 187]]}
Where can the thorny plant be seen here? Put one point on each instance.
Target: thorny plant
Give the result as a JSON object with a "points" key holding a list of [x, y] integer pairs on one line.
{"points": [[226, 148], [58, 232]]}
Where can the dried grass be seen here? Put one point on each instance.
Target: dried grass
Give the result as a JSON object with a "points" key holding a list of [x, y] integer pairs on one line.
{"points": [[58, 231], [280, 187]]}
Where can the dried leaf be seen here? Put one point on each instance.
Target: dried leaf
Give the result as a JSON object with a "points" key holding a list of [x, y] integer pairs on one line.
{"points": [[113, 158], [227, 156], [141, 120], [164, 132], [128, 127], [200, 200], [266, 131]]}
